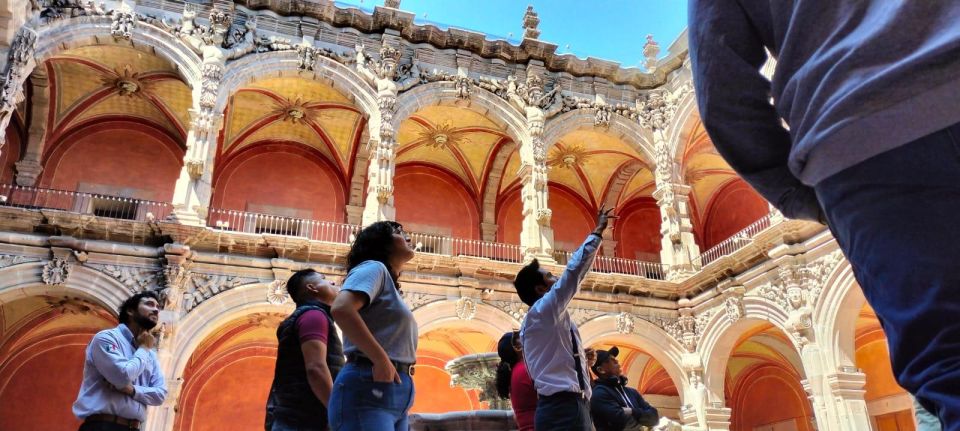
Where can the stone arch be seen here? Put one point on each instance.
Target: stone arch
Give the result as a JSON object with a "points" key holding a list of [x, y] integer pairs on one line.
{"points": [[835, 315], [683, 123], [720, 337], [286, 64], [206, 318], [484, 102], [623, 128], [60, 36], [24, 280], [647, 336], [488, 319]]}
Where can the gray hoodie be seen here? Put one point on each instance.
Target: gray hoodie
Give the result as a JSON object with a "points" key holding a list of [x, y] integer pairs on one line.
{"points": [[853, 79]]}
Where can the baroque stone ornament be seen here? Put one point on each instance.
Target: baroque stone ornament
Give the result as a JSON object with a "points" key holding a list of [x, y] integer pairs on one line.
{"points": [[69, 305], [466, 308], [625, 323], [15, 259], [478, 371], [515, 309], [416, 300], [135, 279], [583, 315], [733, 306], [568, 157], [277, 292], [56, 272], [443, 135], [205, 286], [128, 82], [122, 23]]}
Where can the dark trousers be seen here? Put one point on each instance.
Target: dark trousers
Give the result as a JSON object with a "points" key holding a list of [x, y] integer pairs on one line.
{"points": [[103, 426], [564, 411], [897, 218]]}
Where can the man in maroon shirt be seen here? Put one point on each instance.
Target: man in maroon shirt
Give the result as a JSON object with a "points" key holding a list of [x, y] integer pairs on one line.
{"points": [[309, 356]]}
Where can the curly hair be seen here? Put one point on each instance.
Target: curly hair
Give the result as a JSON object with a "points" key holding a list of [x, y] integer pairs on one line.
{"points": [[374, 242], [132, 303]]}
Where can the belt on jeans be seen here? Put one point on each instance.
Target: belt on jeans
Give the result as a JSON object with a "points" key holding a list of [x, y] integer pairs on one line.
{"points": [[564, 395], [129, 423], [361, 360]]}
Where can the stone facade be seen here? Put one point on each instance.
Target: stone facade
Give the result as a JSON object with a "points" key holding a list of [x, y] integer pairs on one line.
{"points": [[688, 312]]}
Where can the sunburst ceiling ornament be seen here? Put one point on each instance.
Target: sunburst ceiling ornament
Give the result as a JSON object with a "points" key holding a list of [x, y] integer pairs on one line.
{"points": [[568, 157], [128, 82], [295, 111], [443, 135]]}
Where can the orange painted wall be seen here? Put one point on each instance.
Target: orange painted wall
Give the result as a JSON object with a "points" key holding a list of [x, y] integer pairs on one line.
{"points": [[231, 397], [571, 221], [637, 230], [116, 157], [874, 360], [37, 399], [10, 153], [777, 391], [285, 180], [732, 208], [434, 394], [429, 196], [510, 219]]}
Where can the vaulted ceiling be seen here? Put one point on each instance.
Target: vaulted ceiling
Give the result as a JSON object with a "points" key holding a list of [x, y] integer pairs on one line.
{"points": [[94, 83]]}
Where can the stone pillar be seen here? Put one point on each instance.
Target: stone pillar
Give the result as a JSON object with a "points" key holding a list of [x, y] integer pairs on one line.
{"points": [[191, 197], [847, 388], [176, 275], [718, 417], [679, 250], [383, 165], [20, 62], [29, 168], [488, 231], [536, 235], [609, 245]]}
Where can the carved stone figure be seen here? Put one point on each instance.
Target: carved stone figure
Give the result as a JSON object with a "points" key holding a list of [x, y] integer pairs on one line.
{"points": [[122, 24], [698, 399], [56, 271], [625, 323], [214, 47], [536, 104], [466, 308]]}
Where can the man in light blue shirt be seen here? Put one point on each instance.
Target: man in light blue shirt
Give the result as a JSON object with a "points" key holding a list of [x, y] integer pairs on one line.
{"points": [[121, 375], [551, 341]]}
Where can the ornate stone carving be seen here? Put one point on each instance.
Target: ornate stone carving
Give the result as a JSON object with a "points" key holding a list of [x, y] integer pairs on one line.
{"points": [[216, 45], [122, 23], [478, 371], [686, 329], [21, 51], [56, 272], [733, 306], [515, 309], [277, 292], [383, 75], [796, 288], [625, 323], [205, 286], [15, 259], [530, 23], [537, 104], [656, 110], [135, 279], [466, 308], [651, 50], [416, 300], [52, 10], [583, 315]]}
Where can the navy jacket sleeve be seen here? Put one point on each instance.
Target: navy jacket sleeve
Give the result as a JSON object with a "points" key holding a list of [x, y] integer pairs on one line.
{"points": [[726, 53], [606, 410], [643, 412]]}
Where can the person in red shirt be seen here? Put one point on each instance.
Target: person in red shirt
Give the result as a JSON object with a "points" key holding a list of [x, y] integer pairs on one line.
{"points": [[514, 382]]}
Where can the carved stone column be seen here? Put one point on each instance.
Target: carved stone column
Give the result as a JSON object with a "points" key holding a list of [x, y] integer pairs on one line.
{"points": [[19, 64], [488, 231], [176, 274], [478, 371], [29, 168], [536, 235], [847, 388], [191, 197], [382, 168]]}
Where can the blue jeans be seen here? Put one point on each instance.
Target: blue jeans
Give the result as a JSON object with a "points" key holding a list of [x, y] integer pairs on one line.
{"points": [[563, 412], [360, 404], [896, 218]]}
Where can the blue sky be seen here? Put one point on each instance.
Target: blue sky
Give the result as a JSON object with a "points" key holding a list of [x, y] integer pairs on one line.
{"points": [[609, 29]]}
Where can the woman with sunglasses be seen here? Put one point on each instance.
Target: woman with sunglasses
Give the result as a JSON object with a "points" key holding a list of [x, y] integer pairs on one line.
{"points": [[374, 390]]}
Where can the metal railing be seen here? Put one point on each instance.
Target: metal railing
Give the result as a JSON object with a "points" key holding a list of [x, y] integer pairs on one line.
{"points": [[114, 207], [618, 265], [242, 221], [436, 244], [736, 242]]}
